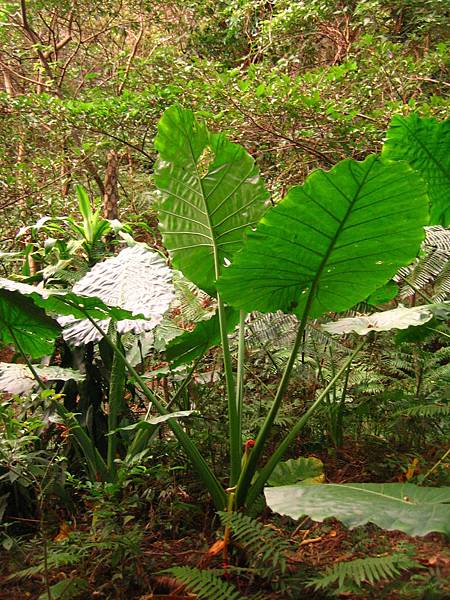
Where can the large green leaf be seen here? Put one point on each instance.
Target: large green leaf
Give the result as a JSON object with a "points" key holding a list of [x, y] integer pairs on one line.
{"points": [[409, 508], [25, 325], [206, 206], [195, 343], [425, 145], [331, 242]]}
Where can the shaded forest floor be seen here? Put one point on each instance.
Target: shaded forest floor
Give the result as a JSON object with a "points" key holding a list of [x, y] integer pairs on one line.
{"points": [[130, 563]]}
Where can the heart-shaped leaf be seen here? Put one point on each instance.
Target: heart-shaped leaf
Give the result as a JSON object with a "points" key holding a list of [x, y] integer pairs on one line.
{"points": [[211, 193], [331, 242]]}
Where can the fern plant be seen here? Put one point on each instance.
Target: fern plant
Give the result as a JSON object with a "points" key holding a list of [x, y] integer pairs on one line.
{"points": [[431, 271], [265, 548], [206, 584], [372, 570]]}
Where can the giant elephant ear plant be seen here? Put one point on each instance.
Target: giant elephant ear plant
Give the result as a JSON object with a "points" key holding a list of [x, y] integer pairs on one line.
{"points": [[326, 246], [329, 244]]}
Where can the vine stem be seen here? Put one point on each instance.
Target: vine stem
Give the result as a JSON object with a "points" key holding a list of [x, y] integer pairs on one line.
{"points": [[250, 468]]}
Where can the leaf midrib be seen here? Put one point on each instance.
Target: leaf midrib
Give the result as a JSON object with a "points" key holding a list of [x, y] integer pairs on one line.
{"points": [[334, 239], [383, 495]]}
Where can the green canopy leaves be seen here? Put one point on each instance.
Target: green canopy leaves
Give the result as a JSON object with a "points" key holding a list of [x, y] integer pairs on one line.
{"points": [[211, 193], [332, 241]]}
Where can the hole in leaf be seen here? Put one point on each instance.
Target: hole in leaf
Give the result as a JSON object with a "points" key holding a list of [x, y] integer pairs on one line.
{"points": [[205, 160]]}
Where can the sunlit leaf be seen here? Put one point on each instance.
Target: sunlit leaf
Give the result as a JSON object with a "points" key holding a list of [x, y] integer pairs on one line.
{"points": [[136, 280], [331, 242], [397, 318], [18, 379]]}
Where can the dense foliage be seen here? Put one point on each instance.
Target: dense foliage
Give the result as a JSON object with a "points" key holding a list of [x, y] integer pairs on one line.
{"points": [[224, 298]]}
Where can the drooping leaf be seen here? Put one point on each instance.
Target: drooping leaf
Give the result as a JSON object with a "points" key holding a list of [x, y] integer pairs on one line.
{"points": [[150, 422], [136, 280], [18, 379], [25, 325], [425, 145], [61, 302], [397, 318], [206, 206], [331, 242], [206, 334], [295, 470], [394, 506]]}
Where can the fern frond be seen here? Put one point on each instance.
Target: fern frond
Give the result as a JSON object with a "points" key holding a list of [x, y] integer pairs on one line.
{"points": [[263, 329], [431, 269], [370, 570], [207, 585], [425, 410], [262, 544]]}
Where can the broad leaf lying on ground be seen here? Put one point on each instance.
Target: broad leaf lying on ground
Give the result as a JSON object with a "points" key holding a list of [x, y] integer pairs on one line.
{"points": [[136, 280], [331, 242], [18, 379], [425, 145], [192, 344], [395, 506], [211, 193], [295, 470], [397, 318], [25, 325]]}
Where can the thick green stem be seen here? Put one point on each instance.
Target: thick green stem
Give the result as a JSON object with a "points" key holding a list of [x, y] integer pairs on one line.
{"points": [[116, 390], [266, 471], [144, 436], [234, 427], [250, 468], [240, 372]]}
